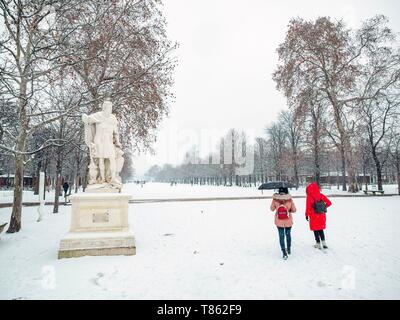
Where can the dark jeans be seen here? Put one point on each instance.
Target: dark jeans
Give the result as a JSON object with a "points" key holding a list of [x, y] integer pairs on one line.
{"points": [[282, 233], [319, 235]]}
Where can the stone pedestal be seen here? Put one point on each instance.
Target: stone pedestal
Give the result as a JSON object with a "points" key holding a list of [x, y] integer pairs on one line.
{"points": [[99, 226]]}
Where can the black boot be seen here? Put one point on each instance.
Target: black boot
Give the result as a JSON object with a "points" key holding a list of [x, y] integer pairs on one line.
{"points": [[288, 250], [285, 256]]}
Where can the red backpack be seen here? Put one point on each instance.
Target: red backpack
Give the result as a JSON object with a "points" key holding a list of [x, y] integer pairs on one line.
{"points": [[282, 212]]}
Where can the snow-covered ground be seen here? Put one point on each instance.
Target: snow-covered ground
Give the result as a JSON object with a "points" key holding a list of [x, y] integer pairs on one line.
{"points": [[166, 191], [212, 250]]}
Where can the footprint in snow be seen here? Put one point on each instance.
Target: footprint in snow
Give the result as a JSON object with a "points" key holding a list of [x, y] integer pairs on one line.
{"points": [[97, 279]]}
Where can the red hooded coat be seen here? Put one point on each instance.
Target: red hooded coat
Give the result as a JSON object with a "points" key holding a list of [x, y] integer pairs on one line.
{"points": [[317, 220]]}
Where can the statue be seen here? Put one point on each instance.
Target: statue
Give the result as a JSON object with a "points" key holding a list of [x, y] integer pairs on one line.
{"points": [[99, 218], [106, 155]]}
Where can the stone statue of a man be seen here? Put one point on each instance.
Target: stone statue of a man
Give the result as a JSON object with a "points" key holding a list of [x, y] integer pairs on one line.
{"points": [[102, 138]]}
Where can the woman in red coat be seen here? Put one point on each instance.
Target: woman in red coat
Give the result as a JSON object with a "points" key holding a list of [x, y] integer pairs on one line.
{"points": [[317, 219]]}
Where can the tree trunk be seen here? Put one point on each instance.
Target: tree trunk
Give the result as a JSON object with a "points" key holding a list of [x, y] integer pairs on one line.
{"points": [[365, 175], [345, 144], [78, 169], [46, 175], [343, 159], [296, 171], [15, 221], [77, 180], [317, 167], [58, 169], [351, 170], [39, 166], [398, 172], [398, 178], [58, 183], [378, 167], [86, 176], [353, 186]]}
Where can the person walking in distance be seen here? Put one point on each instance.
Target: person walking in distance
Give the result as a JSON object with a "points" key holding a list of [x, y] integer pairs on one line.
{"points": [[283, 205], [65, 187], [316, 208]]}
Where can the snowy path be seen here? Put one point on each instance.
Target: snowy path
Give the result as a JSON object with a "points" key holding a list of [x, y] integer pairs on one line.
{"points": [[212, 250]]}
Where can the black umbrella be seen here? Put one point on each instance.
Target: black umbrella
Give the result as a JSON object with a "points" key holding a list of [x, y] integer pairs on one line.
{"points": [[273, 185]]}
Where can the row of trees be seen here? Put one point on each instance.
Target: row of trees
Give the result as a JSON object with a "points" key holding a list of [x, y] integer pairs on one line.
{"points": [[286, 152], [308, 147], [232, 157], [58, 60], [342, 89]]}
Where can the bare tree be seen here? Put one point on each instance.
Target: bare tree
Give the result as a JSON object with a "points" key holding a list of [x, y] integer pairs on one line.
{"points": [[123, 51], [277, 148], [378, 116], [326, 56], [378, 113], [293, 128], [261, 157], [28, 55], [395, 151]]}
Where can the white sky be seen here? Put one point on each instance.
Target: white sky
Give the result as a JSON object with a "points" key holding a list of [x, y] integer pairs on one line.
{"points": [[226, 57]]}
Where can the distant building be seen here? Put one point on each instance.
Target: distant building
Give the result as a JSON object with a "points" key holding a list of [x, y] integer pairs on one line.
{"points": [[7, 181], [332, 178]]}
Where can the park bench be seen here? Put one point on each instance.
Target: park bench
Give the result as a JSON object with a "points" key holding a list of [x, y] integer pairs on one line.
{"points": [[374, 191]]}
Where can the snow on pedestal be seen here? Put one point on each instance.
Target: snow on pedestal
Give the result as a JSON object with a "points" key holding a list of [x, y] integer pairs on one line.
{"points": [[99, 226]]}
